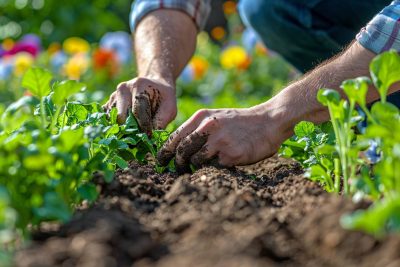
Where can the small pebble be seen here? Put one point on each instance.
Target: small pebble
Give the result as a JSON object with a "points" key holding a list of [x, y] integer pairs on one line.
{"points": [[203, 178]]}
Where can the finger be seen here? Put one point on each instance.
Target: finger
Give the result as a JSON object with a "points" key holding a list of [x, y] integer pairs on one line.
{"points": [[123, 103], [164, 115], [187, 148], [207, 155], [167, 152], [107, 106]]}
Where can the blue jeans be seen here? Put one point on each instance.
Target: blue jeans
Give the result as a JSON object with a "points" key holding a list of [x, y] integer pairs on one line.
{"points": [[307, 32]]}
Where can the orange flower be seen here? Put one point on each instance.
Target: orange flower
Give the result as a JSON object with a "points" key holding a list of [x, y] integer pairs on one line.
{"points": [[105, 59], [200, 66], [53, 48], [218, 33], [229, 7], [8, 44]]}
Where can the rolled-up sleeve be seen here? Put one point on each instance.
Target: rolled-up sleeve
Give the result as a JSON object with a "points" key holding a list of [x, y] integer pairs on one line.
{"points": [[382, 32], [198, 10]]}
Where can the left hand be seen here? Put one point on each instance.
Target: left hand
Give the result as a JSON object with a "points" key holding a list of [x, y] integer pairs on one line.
{"points": [[226, 137]]}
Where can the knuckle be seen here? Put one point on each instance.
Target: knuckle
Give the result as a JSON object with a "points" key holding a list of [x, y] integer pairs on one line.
{"points": [[140, 81], [121, 86], [202, 113]]}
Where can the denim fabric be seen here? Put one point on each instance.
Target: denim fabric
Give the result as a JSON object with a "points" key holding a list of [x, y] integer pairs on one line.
{"points": [[306, 32]]}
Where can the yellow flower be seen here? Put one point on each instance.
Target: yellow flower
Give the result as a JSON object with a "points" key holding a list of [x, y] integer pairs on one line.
{"points": [[76, 66], [235, 57], [22, 63], [200, 66], [75, 45]]}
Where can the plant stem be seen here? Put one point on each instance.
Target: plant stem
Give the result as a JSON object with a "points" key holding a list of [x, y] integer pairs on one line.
{"points": [[43, 113]]}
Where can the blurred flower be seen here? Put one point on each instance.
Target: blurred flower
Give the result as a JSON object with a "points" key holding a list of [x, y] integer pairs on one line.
{"points": [[29, 43], [76, 66], [218, 33], [6, 68], [235, 57], [373, 154], [199, 66], [74, 45], [31, 39], [22, 62], [53, 48], [105, 59], [8, 44], [119, 42], [57, 60], [229, 7], [187, 74]]}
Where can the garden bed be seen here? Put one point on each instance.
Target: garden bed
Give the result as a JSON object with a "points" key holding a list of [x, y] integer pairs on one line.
{"points": [[266, 214]]}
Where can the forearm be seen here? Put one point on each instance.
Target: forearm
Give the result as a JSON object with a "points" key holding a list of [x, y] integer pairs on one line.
{"points": [[164, 42], [299, 100]]}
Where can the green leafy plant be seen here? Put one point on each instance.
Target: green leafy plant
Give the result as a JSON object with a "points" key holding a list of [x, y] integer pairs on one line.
{"points": [[50, 148], [366, 163]]}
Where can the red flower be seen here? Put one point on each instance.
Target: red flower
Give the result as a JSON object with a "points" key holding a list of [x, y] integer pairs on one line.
{"points": [[104, 59]]}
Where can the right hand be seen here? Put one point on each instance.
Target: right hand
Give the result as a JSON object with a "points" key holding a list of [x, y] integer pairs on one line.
{"points": [[153, 102]]}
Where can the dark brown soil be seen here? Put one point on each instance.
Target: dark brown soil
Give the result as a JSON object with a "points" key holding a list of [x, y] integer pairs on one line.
{"points": [[266, 214]]}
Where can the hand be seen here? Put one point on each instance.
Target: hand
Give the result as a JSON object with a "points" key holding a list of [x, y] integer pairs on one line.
{"points": [[225, 137], [153, 102]]}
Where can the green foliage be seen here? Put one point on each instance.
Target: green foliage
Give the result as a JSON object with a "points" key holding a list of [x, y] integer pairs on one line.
{"points": [[50, 149], [37, 81], [88, 19], [348, 159]]}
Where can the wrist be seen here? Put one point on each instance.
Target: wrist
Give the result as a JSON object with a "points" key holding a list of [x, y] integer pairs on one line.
{"points": [[164, 80], [289, 107]]}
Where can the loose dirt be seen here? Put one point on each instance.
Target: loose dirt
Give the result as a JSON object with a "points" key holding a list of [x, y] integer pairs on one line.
{"points": [[266, 214]]}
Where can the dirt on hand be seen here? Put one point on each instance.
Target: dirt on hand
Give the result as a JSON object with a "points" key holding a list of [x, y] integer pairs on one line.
{"points": [[265, 214], [145, 109]]}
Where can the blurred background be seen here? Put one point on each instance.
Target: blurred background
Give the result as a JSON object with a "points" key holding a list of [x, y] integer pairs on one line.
{"points": [[90, 41]]}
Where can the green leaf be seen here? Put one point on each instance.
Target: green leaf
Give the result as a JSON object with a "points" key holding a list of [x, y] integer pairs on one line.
{"points": [[380, 216], [304, 129], [65, 89], [120, 162], [37, 81], [22, 102], [113, 116], [88, 192], [54, 208], [385, 113], [131, 121], [75, 113], [385, 71], [326, 96], [356, 90]]}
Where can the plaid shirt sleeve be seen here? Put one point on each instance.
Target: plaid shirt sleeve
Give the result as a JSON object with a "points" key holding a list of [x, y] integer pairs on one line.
{"points": [[382, 32], [198, 10]]}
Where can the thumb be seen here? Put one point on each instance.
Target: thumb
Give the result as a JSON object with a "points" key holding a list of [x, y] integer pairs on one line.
{"points": [[142, 112]]}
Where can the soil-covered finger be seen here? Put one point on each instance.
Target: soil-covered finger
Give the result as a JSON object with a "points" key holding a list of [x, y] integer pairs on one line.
{"points": [[204, 157], [142, 112], [187, 148]]}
